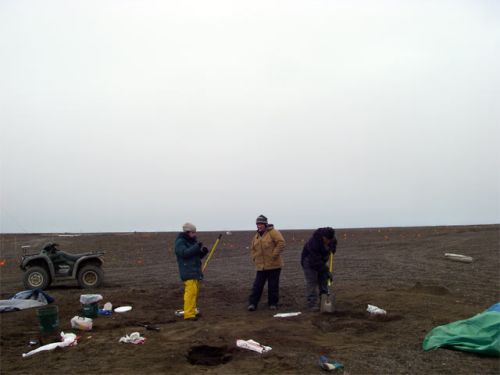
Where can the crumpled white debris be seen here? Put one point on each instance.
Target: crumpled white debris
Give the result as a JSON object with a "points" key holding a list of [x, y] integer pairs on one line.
{"points": [[67, 339], [375, 310], [253, 345], [133, 338], [286, 315]]}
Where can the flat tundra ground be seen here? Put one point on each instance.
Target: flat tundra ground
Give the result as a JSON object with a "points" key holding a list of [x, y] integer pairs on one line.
{"points": [[402, 270]]}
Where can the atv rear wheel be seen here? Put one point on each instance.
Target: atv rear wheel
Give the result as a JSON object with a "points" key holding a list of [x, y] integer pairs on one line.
{"points": [[90, 276], [36, 278]]}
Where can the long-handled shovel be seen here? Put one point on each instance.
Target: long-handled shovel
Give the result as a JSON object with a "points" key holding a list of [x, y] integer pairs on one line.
{"points": [[328, 300], [211, 252]]}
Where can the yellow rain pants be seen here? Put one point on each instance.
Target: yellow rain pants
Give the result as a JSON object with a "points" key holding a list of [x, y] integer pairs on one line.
{"points": [[191, 288]]}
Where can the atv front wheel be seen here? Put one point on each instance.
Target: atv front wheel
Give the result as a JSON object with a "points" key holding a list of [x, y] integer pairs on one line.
{"points": [[36, 278], [90, 276]]}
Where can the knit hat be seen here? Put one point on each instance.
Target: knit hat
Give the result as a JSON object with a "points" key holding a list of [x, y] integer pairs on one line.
{"points": [[261, 220], [327, 232], [188, 227]]}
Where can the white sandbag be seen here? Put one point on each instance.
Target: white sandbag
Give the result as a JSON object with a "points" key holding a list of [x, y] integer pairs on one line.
{"points": [[459, 257]]}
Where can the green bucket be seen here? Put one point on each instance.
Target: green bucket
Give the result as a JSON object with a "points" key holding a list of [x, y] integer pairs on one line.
{"points": [[90, 310], [48, 318]]}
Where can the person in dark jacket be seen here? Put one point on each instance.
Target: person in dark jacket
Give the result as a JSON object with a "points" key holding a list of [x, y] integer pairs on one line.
{"points": [[314, 261], [189, 252]]}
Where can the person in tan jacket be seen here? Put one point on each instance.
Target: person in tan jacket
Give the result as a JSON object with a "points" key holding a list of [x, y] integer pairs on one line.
{"points": [[267, 246]]}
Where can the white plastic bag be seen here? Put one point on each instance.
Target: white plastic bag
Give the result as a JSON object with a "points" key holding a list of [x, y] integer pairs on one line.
{"points": [[68, 339], [81, 323], [133, 338], [253, 345], [375, 310], [88, 299]]}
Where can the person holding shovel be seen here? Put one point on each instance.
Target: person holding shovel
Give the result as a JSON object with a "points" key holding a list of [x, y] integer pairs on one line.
{"points": [[267, 246], [314, 258], [189, 252]]}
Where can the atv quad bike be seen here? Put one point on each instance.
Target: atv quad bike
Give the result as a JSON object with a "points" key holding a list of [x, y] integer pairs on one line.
{"points": [[52, 264]]}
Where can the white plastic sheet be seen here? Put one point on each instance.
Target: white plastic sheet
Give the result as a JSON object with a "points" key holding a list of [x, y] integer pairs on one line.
{"points": [[253, 345], [287, 315], [372, 309], [68, 339]]}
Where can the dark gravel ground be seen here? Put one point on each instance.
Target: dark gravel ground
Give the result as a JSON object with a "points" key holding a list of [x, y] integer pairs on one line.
{"points": [[402, 270]]}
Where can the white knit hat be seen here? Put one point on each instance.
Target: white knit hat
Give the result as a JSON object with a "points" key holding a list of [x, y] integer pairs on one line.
{"points": [[188, 227]]}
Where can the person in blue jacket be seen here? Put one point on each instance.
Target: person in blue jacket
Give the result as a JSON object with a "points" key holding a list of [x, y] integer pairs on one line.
{"points": [[314, 261], [189, 252]]}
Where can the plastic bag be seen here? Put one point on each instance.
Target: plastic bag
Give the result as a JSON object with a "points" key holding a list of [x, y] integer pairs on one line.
{"points": [[253, 345], [67, 339], [88, 299], [133, 338], [81, 323], [375, 310]]}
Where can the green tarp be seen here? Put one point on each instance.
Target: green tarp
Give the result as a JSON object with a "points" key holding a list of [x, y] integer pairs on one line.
{"points": [[479, 334]]}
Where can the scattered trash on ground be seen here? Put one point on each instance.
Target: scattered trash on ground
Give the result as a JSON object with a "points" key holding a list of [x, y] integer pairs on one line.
{"points": [[374, 310], [67, 339], [286, 315], [123, 309], [133, 338], [81, 323], [329, 365], [253, 345], [459, 257]]}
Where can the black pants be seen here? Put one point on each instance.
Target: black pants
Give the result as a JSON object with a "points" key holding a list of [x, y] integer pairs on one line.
{"points": [[273, 287], [315, 281]]}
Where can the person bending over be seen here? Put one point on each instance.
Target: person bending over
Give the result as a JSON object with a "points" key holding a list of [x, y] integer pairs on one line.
{"points": [[314, 261]]}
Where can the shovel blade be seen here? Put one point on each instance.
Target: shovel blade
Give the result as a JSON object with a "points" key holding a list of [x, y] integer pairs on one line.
{"points": [[327, 303]]}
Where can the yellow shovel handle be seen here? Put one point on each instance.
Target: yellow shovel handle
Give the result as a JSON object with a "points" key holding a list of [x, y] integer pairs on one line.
{"points": [[330, 268], [211, 252]]}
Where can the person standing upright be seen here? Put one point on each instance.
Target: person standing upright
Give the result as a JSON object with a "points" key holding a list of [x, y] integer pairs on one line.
{"points": [[189, 252], [267, 246]]}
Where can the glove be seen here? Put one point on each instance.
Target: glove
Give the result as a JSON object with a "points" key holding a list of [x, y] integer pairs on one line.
{"points": [[329, 275], [200, 244], [204, 251]]}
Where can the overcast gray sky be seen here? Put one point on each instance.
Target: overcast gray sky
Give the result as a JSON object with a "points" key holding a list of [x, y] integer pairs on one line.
{"points": [[141, 115]]}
